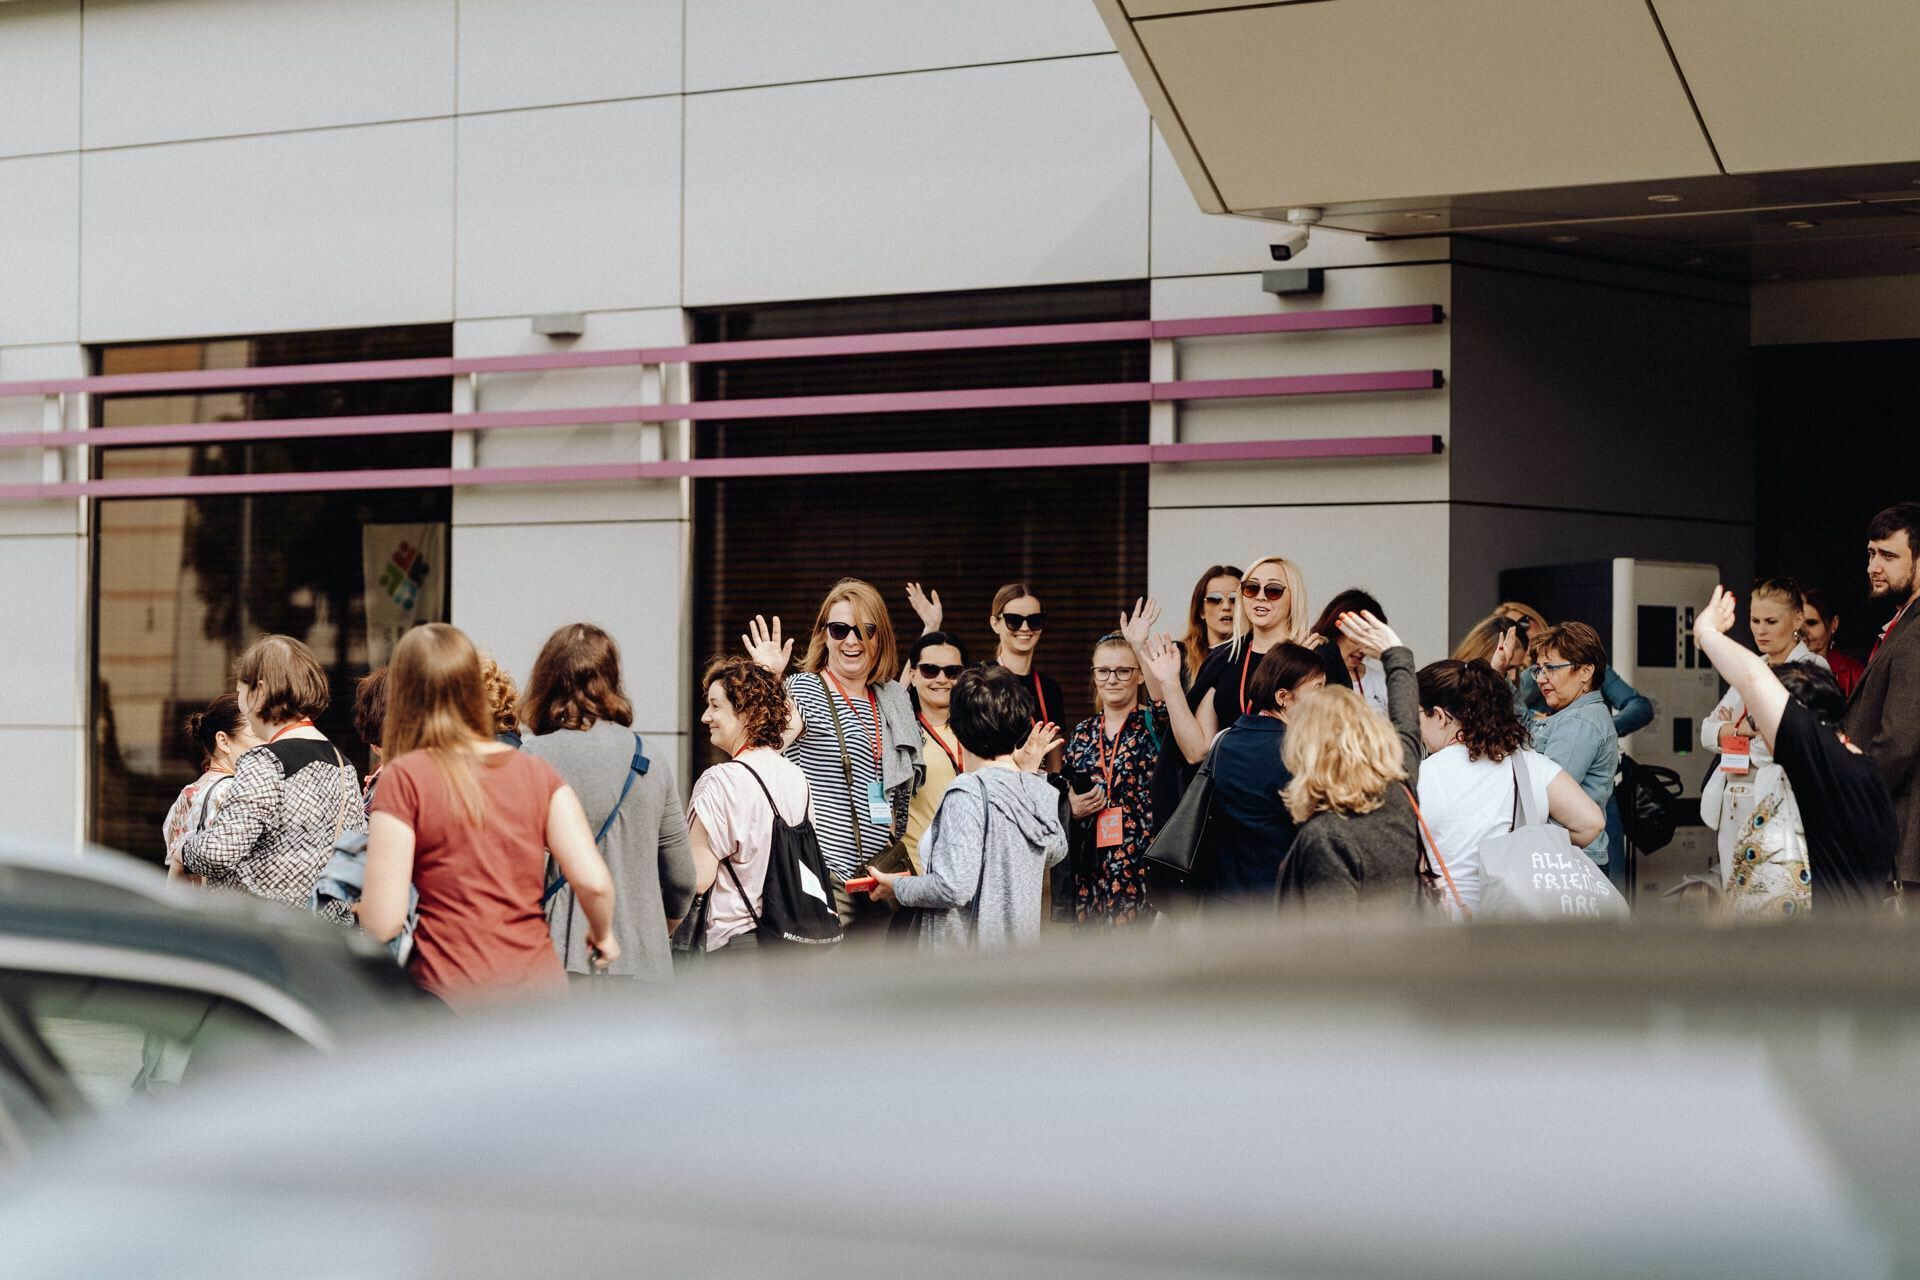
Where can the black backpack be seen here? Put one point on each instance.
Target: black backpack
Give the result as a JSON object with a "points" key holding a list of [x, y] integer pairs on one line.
{"points": [[796, 902]]}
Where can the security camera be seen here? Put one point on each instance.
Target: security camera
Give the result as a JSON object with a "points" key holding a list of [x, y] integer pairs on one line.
{"points": [[1300, 223]]}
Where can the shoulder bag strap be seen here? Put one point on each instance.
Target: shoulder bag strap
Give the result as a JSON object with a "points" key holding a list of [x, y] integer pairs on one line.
{"points": [[1513, 770], [986, 818], [635, 767], [1523, 791], [340, 821], [846, 768], [1434, 845]]}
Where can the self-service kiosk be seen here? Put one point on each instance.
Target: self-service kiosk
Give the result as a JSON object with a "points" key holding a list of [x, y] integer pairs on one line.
{"points": [[1645, 610]]}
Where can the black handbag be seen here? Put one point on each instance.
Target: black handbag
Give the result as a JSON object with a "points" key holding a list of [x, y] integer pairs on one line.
{"points": [[1650, 810], [1180, 854]]}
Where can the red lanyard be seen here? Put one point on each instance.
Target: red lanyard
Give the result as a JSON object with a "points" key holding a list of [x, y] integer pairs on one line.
{"points": [[1246, 665], [1100, 736], [873, 701], [297, 724], [958, 767], [1040, 696]]}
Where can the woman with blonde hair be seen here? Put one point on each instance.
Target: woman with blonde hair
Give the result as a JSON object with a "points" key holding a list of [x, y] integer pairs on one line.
{"points": [[503, 701], [852, 731], [1273, 610], [467, 822], [1358, 844]]}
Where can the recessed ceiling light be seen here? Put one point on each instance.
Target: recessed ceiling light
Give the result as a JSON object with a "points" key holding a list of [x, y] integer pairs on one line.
{"points": [[1563, 239], [1801, 224], [1665, 199], [1422, 217]]}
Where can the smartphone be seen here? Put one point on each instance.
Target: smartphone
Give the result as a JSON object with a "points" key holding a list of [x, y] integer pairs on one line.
{"points": [[864, 884], [1080, 780]]}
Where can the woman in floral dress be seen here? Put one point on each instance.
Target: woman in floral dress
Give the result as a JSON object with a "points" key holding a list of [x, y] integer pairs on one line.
{"points": [[1116, 748]]}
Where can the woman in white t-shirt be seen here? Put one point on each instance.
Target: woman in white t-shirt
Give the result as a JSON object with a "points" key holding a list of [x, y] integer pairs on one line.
{"points": [[1467, 784], [729, 818]]}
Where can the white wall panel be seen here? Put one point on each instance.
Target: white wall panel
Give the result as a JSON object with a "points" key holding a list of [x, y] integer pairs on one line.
{"points": [[1399, 553], [565, 388], [39, 248], [23, 413], [732, 43], [327, 229], [215, 68], [570, 209], [512, 586], [40, 630], [1416, 479], [984, 177], [39, 76], [516, 53], [41, 767]]}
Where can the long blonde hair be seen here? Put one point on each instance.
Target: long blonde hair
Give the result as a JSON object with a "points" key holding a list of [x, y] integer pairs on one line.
{"points": [[883, 656], [1342, 753], [1299, 617], [436, 703]]}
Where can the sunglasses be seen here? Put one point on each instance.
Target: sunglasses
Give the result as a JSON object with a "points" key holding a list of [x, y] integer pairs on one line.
{"points": [[1270, 590], [841, 630], [933, 671], [1024, 621], [1215, 599]]}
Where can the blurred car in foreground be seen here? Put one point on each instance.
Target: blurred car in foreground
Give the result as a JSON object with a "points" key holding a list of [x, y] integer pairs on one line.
{"points": [[118, 986], [1502, 1101]]}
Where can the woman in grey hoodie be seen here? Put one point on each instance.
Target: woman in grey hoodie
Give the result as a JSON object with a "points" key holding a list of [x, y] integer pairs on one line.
{"points": [[997, 831]]}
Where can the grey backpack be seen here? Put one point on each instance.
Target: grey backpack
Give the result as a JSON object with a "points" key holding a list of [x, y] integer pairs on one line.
{"points": [[1534, 872]]}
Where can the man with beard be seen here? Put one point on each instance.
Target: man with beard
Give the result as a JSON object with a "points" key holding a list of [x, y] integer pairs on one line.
{"points": [[1883, 716]]}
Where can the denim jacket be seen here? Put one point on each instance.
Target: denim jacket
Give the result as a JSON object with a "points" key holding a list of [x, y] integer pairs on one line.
{"points": [[1631, 709], [1580, 739]]}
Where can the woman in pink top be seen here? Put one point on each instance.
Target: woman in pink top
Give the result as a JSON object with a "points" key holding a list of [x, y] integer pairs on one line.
{"points": [[730, 816], [468, 822]]}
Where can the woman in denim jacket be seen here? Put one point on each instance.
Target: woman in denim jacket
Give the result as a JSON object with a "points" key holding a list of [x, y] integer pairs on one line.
{"points": [[1578, 733]]}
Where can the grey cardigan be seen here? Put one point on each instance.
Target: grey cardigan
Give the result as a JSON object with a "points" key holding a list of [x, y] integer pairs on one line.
{"points": [[1349, 861], [646, 849]]}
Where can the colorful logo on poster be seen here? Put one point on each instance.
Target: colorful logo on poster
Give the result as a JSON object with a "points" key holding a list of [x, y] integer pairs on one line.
{"points": [[403, 575]]}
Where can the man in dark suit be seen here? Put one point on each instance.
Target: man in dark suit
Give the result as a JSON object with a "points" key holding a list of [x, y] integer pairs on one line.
{"points": [[1883, 716]]}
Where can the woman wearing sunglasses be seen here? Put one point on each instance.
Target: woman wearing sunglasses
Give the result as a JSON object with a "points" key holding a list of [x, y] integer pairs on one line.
{"points": [[1110, 760], [1210, 617], [1273, 610], [1017, 620], [852, 732], [933, 667]]}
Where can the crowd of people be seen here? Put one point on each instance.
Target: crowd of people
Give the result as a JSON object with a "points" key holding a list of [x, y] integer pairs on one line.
{"points": [[507, 841]]}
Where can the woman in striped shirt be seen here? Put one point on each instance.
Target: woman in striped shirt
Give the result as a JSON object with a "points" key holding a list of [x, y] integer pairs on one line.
{"points": [[852, 732]]}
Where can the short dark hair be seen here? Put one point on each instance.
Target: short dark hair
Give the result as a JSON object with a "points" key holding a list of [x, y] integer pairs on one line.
{"points": [[370, 706], [283, 678], [1813, 687], [1352, 600], [1817, 602], [1901, 515], [1282, 667], [575, 682], [992, 711], [757, 696], [1480, 701], [1578, 643], [930, 640]]}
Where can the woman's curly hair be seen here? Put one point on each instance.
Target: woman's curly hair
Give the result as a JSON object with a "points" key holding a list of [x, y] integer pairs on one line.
{"points": [[1480, 701], [757, 695], [1342, 753], [503, 699]]}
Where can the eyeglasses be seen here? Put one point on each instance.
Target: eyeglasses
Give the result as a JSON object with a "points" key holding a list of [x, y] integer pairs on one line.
{"points": [[1217, 598], [933, 671], [1105, 674], [1541, 670], [1271, 590], [1024, 621], [841, 630]]}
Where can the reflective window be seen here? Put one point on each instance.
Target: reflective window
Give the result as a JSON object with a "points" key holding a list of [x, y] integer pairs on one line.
{"points": [[181, 585]]}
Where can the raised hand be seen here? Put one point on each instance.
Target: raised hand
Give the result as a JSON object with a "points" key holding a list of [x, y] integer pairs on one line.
{"points": [[1138, 625], [1506, 653], [1040, 744], [1372, 635], [764, 646], [927, 605], [1717, 618], [1162, 657]]}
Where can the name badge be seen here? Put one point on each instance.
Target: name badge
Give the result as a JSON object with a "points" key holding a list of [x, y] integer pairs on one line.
{"points": [[1108, 828], [879, 810], [1734, 753]]}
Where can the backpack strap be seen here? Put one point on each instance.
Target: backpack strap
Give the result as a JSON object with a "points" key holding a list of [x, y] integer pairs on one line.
{"points": [[636, 768]]}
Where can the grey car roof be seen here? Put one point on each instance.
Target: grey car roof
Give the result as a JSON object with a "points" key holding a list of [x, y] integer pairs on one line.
{"points": [[1557, 1101]]}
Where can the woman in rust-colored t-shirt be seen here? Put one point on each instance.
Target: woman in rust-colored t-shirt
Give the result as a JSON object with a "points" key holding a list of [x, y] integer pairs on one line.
{"points": [[468, 822]]}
